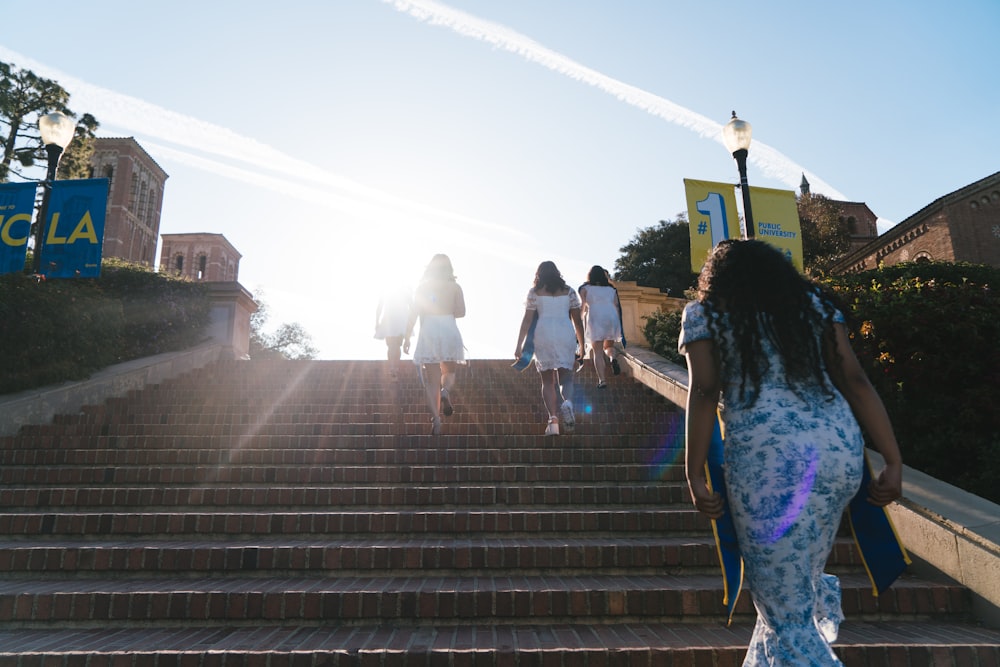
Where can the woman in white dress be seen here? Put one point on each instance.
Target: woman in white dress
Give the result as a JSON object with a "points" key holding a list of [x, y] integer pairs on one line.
{"points": [[392, 316], [557, 335], [794, 396], [437, 302], [602, 321]]}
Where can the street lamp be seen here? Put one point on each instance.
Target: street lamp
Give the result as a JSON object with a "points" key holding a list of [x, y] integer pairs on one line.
{"points": [[736, 135], [57, 130]]}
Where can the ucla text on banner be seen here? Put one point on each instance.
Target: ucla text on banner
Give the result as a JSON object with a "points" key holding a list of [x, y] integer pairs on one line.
{"points": [[712, 217], [74, 231], [17, 203], [776, 217]]}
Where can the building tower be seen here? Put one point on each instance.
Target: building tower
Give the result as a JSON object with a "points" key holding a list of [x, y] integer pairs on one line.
{"points": [[135, 198], [200, 257]]}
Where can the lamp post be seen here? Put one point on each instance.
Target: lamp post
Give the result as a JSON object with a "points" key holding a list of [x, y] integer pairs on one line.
{"points": [[736, 135], [57, 130]]}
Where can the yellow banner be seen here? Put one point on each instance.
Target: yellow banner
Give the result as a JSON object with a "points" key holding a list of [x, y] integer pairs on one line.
{"points": [[776, 217], [712, 216]]}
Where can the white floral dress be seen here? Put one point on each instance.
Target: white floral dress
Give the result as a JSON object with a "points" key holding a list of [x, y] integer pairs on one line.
{"points": [[555, 336], [792, 464]]}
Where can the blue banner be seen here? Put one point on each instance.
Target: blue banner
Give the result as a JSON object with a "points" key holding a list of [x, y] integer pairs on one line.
{"points": [[17, 203], [74, 230]]}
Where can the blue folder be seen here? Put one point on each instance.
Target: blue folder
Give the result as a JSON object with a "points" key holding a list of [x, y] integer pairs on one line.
{"points": [[528, 351], [882, 553]]}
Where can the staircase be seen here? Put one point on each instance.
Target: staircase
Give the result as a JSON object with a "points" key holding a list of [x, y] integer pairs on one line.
{"points": [[299, 513]]}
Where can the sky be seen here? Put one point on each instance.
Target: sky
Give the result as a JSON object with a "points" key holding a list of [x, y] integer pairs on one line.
{"points": [[339, 144]]}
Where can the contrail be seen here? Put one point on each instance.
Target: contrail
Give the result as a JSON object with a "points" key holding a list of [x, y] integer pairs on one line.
{"points": [[135, 115], [769, 160]]}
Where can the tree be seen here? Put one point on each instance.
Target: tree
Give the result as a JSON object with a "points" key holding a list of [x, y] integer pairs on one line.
{"points": [[288, 341], [659, 256], [24, 97], [826, 237]]}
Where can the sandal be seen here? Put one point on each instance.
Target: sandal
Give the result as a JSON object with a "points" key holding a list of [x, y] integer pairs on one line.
{"points": [[553, 426], [446, 409]]}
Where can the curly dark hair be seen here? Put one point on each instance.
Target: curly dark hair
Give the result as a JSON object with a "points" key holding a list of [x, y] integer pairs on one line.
{"points": [[547, 277], [762, 294]]}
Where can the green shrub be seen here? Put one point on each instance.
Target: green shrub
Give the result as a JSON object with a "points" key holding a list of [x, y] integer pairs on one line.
{"points": [[928, 337], [58, 330], [662, 329]]}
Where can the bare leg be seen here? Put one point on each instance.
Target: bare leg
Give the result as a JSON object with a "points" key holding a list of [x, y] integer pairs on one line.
{"points": [[448, 378], [612, 352], [565, 376], [394, 354], [432, 389], [448, 369], [599, 364], [550, 392]]}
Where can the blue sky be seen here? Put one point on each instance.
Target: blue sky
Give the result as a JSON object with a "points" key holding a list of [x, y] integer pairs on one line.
{"points": [[338, 144]]}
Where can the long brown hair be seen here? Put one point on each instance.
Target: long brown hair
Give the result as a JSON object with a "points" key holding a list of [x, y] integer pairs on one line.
{"points": [[548, 278]]}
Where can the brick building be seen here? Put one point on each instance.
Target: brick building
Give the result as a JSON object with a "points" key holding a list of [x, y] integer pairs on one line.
{"points": [[963, 226], [200, 257], [861, 220], [135, 199]]}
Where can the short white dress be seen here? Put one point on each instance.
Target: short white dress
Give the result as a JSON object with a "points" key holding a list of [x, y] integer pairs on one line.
{"points": [[555, 335], [793, 461], [394, 316], [438, 340], [603, 321]]}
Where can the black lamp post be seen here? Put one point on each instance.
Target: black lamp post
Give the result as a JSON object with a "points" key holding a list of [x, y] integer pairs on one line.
{"points": [[736, 135], [57, 131]]}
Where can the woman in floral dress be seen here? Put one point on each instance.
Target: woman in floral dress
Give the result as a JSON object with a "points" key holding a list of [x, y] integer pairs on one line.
{"points": [[775, 348]]}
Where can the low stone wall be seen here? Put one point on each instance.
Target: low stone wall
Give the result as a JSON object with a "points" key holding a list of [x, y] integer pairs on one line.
{"points": [[638, 303], [39, 406], [228, 337]]}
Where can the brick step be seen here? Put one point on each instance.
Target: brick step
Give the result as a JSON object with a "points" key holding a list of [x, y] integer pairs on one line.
{"points": [[451, 427], [551, 599], [521, 533], [506, 521], [326, 474], [376, 399], [354, 557], [861, 644], [244, 415], [486, 391], [469, 496], [445, 449]]}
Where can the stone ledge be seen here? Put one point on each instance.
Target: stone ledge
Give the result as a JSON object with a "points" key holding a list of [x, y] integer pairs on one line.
{"points": [[944, 528], [39, 406]]}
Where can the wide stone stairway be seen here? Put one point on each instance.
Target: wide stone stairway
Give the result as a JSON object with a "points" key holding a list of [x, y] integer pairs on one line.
{"points": [[300, 513]]}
